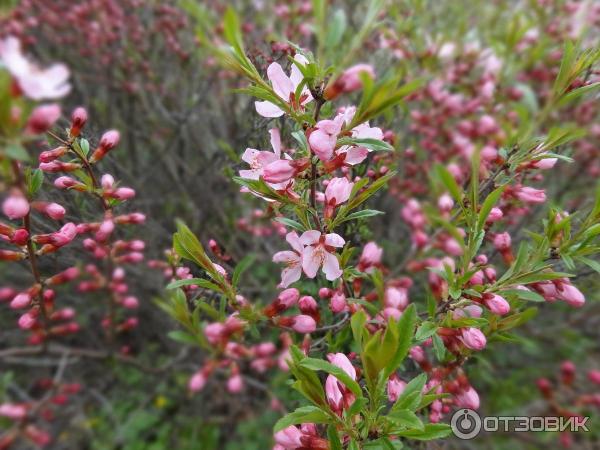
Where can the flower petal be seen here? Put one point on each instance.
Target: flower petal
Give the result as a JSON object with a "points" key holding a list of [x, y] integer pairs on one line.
{"points": [[268, 109], [310, 237], [282, 85], [334, 240], [331, 267], [312, 258]]}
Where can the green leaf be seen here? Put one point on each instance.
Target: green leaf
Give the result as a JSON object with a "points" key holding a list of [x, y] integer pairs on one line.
{"points": [[194, 281], [241, 267], [357, 323], [429, 432], [405, 330], [334, 438], [406, 419], [362, 214], [487, 206], [449, 182], [335, 29], [411, 396], [35, 181], [426, 330], [370, 143], [304, 414], [438, 347], [290, 223], [183, 337], [339, 373], [16, 151]]}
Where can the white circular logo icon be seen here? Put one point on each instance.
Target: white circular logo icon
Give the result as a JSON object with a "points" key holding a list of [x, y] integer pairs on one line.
{"points": [[466, 424]]}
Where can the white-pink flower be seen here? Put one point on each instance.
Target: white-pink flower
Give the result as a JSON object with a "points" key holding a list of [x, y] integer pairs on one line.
{"points": [[259, 159], [319, 252], [285, 88], [292, 260], [37, 84], [338, 191]]}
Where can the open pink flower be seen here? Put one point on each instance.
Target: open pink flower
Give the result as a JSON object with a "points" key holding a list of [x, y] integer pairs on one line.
{"points": [[324, 137], [37, 84], [292, 260], [285, 88], [318, 251], [259, 159]]}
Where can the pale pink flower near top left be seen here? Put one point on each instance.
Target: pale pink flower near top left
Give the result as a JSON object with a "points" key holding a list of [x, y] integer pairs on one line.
{"points": [[35, 83]]}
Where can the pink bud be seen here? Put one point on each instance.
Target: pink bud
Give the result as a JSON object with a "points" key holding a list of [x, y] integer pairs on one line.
{"points": [[338, 302], [124, 193], [20, 301], [107, 181], [78, 119], [55, 211], [130, 302], [197, 382], [473, 338], [395, 387], [496, 304], [27, 320], [288, 297], [304, 324], [502, 241], [15, 207], [42, 118], [467, 399], [235, 384], [110, 139]]}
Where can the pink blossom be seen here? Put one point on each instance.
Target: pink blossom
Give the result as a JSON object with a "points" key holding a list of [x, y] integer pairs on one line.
{"points": [[292, 260], [27, 320], [335, 392], [530, 195], [197, 381], [15, 207], [284, 88], [37, 84], [395, 298], [467, 399], [473, 338], [323, 139], [350, 79], [502, 241], [395, 387], [318, 251], [496, 304], [289, 438], [279, 171], [55, 211], [21, 301], [235, 384], [42, 118], [13, 411], [571, 295], [370, 257], [338, 191], [338, 302], [304, 324], [259, 159], [78, 119]]}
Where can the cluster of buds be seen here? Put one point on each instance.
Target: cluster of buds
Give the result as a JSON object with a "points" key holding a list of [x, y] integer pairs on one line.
{"points": [[27, 417]]}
